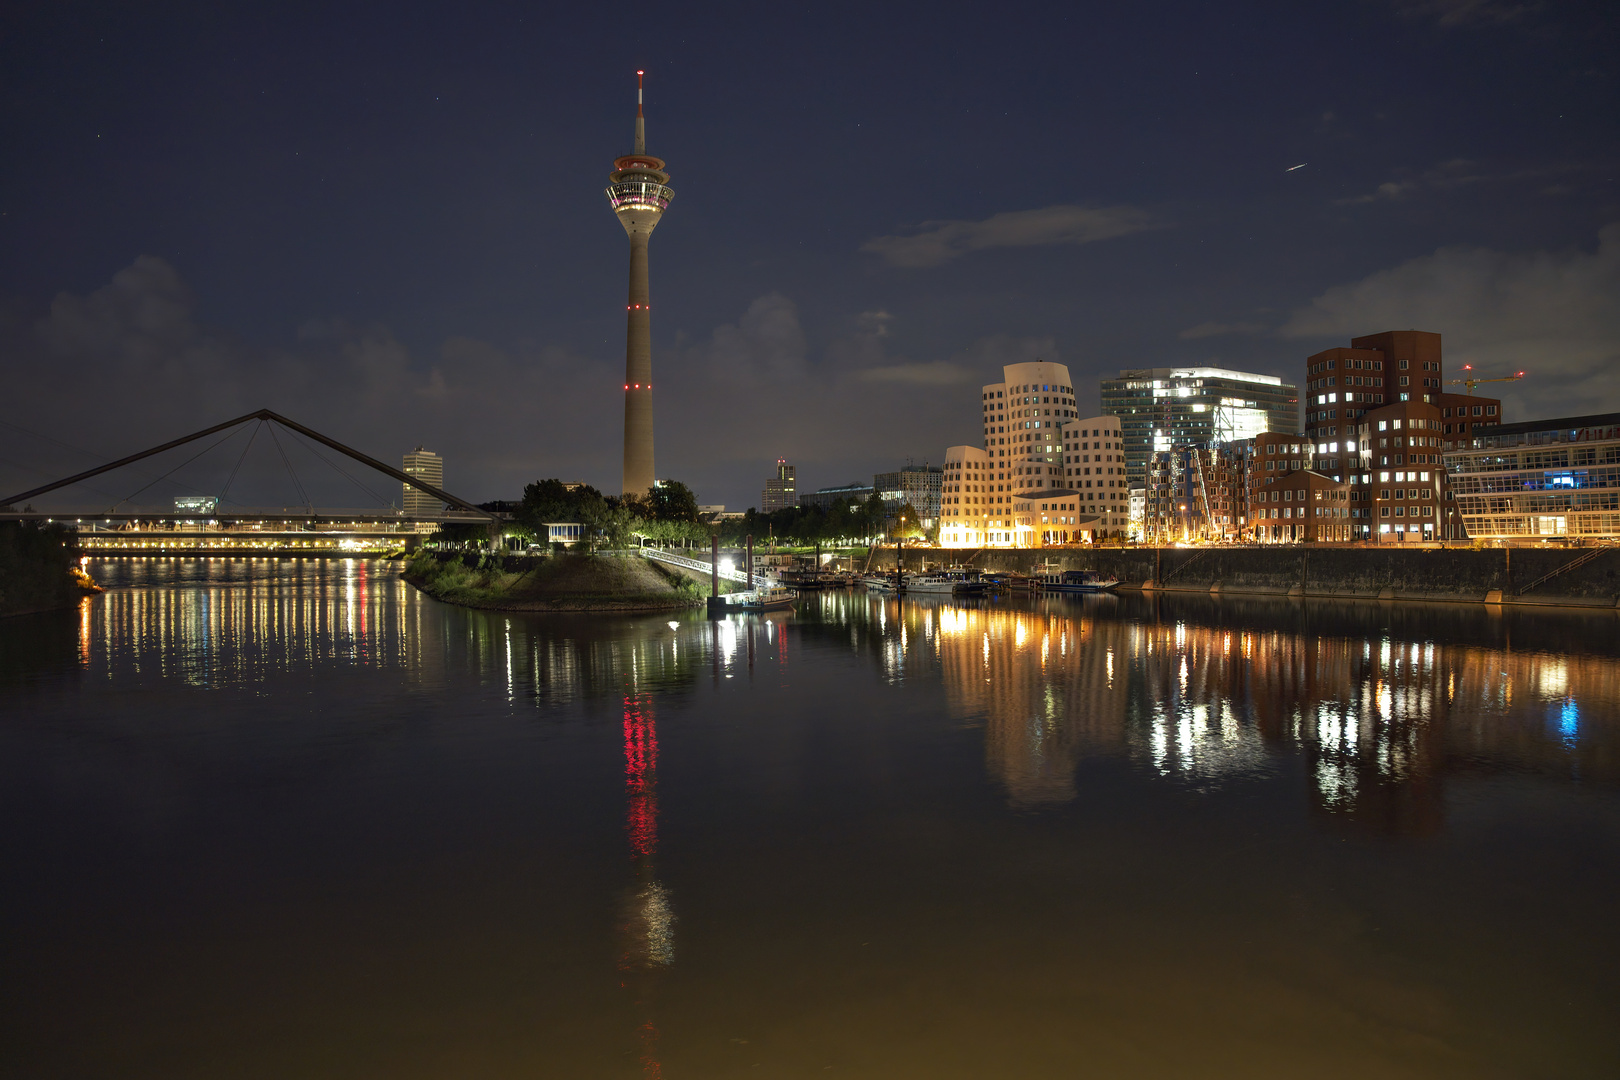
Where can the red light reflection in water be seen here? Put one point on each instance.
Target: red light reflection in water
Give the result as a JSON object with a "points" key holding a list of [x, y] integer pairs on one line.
{"points": [[641, 776], [648, 941]]}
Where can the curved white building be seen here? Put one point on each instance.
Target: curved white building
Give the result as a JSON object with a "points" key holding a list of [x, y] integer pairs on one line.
{"points": [[1044, 475]]}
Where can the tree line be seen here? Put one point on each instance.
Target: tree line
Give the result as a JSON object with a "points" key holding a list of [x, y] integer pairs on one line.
{"points": [[668, 514]]}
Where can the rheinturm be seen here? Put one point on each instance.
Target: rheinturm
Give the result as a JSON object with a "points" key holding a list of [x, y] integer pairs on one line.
{"points": [[639, 191]]}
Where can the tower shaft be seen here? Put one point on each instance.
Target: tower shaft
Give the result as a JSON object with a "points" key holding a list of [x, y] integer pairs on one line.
{"points": [[638, 410]]}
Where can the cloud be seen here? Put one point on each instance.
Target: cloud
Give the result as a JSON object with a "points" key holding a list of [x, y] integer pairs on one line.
{"points": [[938, 242], [130, 365], [937, 373], [1448, 176], [1451, 13], [133, 364], [1215, 329], [876, 322], [1553, 314]]}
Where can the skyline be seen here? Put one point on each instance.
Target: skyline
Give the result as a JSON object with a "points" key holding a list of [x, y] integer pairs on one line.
{"points": [[393, 240]]}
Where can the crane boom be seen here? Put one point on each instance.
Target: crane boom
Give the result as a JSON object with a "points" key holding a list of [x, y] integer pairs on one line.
{"points": [[1473, 380]]}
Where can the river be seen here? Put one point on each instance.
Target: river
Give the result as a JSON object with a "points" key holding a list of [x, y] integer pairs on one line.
{"points": [[291, 818]]}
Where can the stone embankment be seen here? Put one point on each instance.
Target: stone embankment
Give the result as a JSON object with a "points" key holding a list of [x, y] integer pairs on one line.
{"points": [[1579, 577]]}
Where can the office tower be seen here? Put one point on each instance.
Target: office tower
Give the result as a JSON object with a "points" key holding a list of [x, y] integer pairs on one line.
{"points": [[639, 192], [428, 467], [1163, 408], [780, 490]]}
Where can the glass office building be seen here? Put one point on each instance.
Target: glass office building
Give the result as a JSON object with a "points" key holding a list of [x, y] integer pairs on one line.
{"points": [[1160, 409], [1540, 480]]}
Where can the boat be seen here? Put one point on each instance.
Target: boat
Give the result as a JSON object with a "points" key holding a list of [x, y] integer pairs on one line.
{"points": [[949, 582], [1076, 581], [766, 598], [808, 579], [888, 584]]}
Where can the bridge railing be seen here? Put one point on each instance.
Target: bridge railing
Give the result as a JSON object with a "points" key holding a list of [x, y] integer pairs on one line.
{"points": [[701, 565]]}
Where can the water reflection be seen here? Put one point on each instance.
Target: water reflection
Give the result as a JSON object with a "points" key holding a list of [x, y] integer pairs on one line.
{"points": [[1377, 706]]}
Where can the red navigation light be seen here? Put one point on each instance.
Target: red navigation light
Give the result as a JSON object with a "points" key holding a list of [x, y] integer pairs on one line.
{"points": [[640, 72]]}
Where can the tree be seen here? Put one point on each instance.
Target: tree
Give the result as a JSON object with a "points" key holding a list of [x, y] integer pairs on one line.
{"points": [[670, 500], [905, 526]]}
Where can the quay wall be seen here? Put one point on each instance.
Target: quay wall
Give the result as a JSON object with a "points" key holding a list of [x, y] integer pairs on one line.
{"points": [[1443, 574]]}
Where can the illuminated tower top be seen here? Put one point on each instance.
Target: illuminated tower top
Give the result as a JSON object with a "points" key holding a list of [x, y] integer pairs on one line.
{"points": [[638, 187]]}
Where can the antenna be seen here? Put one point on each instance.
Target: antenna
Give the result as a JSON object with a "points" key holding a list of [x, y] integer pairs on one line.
{"points": [[641, 126]]}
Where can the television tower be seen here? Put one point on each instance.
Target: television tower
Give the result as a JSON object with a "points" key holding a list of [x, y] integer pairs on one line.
{"points": [[639, 193]]}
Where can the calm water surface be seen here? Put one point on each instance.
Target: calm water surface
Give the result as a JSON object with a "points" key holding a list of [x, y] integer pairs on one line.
{"points": [[274, 819]]}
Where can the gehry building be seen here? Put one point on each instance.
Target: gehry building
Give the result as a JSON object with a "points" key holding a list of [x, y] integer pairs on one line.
{"points": [[1043, 474]]}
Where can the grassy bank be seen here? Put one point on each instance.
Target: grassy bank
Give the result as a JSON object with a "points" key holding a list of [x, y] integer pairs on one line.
{"points": [[39, 569], [554, 583]]}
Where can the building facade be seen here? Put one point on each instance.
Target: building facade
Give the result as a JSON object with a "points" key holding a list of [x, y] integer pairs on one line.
{"points": [[1540, 479], [916, 486], [1197, 493], [1343, 385], [826, 498], [781, 490], [1303, 507], [1044, 475], [428, 467], [1163, 408]]}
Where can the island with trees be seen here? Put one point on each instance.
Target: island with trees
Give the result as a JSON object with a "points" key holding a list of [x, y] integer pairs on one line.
{"points": [[601, 570]]}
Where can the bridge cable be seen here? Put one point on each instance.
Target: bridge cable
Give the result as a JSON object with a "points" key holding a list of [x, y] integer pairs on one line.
{"points": [[290, 471], [232, 478], [177, 468], [342, 470]]}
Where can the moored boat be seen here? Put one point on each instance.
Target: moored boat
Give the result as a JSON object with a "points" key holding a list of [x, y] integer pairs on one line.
{"points": [[1076, 581]]}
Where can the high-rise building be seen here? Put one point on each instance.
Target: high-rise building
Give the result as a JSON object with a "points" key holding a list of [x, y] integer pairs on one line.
{"points": [[1374, 410], [1385, 369], [428, 467], [780, 490], [639, 193], [1163, 408]]}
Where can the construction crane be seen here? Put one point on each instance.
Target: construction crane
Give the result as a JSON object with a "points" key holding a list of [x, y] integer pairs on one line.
{"points": [[1474, 380]]}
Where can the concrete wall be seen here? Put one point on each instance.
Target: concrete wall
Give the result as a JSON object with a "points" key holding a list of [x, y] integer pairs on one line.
{"points": [[1394, 573]]}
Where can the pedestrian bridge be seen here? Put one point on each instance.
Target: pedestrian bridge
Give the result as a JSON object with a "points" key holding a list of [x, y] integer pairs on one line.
{"points": [[702, 566]]}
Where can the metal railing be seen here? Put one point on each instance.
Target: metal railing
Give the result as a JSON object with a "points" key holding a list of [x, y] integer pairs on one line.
{"points": [[700, 565]]}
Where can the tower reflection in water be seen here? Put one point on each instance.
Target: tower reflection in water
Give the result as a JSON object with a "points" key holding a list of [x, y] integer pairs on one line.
{"points": [[647, 925]]}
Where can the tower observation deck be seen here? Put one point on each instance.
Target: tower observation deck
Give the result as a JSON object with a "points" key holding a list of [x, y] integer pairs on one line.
{"points": [[638, 190]]}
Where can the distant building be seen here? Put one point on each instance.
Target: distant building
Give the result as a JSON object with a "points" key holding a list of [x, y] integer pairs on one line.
{"points": [[428, 467], [201, 505], [1540, 479], [1163, 408], [916, 486], [779, 493], [825, 498]]}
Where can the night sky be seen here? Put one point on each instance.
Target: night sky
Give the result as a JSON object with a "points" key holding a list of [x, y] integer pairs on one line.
{"points": [[387, 221]]}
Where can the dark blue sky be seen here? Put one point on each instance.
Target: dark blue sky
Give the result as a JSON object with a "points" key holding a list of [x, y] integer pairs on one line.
{"points": [[388, 220]]}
